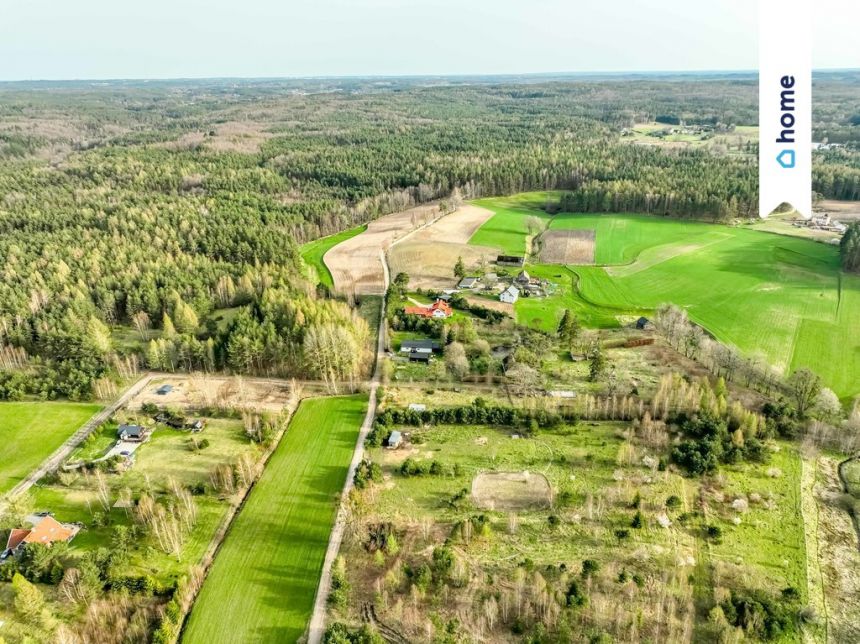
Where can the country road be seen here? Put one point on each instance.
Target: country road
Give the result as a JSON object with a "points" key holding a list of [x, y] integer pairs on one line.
{"points": [[64, 450]]}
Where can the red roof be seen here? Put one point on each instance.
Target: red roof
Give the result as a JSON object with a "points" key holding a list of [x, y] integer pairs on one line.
{"points": [[16, 537], [428, 311], [46, 531]]}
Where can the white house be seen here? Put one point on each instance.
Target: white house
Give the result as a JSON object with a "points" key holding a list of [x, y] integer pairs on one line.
{"points": [[510, 294]]}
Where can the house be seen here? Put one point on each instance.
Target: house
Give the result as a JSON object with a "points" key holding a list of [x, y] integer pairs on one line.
{"points": [[469, 282], [438, 309], [46, 530], [417, 407], [523, 278], [420, 346], [394, 440], [419, 356], [511, 260], [510, 295], [163, 390], [643, 323], [133, 433]]}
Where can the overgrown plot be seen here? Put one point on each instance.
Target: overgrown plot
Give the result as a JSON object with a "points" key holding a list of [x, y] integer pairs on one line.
{"points": [[261, 587]]}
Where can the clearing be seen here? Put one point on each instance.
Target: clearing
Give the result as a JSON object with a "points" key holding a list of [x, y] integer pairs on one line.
{"points": [[567, 247], [511, 490], [32, 431], [261, 586], [224, 392]]}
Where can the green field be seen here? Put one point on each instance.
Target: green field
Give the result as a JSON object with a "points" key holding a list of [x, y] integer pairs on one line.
{"points": [[782, 296], [313, 252], [31, 431], [261, 587]]}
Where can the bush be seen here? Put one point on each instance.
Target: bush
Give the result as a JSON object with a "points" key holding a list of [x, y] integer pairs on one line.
{"points": [[367, 472], [637, 521], [589, 568], [714, 533], [673, 502], [759, 614]]}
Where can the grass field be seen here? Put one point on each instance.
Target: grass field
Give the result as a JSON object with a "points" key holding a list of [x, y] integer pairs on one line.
{"points": [[261, 587], [31, 431], [313, 252], [782, 296]]}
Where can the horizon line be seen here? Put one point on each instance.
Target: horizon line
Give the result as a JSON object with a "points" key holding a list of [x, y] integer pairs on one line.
{"points": [[462, 75]]}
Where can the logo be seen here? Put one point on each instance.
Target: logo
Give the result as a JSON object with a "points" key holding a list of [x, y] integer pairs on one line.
{"points": [[786, 158]]}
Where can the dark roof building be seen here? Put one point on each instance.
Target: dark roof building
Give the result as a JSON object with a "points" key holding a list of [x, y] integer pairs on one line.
{"points": [[131, 432], [163, 390], [511, 260], [642, 323], [420, 345]]}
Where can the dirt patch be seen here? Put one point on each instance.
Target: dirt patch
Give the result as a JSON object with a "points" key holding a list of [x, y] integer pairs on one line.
{"points": [[428, 257], [841, 210], [567, 247], [217, 391], [511, 491], [495, 305]]}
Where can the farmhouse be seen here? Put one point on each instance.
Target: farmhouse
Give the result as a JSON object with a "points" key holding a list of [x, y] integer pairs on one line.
{"points": [[510, 295], [511, 260], [132, 433], [438, 309], [46, 530], [468, 283], [420, 346]]}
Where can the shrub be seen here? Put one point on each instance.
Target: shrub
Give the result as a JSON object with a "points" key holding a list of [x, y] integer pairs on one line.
{"points": [[673, 502], [589, 568], [637, 521]]}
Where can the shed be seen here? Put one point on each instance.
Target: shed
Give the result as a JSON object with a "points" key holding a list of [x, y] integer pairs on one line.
{"points": [[417, 407], [163, 390], [643, 323], [394, 439], [468, 282]]}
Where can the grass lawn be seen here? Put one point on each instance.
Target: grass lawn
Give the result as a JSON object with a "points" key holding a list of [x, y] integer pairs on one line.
{"points": [[31, 431], [313, 252], [783, 297], [261, 587]]}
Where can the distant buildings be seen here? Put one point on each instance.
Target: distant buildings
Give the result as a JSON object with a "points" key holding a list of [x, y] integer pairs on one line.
{"points": [[469, 283], [510, 295], [132, 433], [511, 260]]}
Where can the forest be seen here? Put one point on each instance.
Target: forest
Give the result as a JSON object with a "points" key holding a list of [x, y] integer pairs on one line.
{"points": [[158, 224]]}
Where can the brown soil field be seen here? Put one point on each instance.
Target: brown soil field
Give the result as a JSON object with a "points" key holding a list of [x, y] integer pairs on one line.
{"points": [[841, 210], [199, 390], [511, 490], [494, 305], [356, 264], [567, 247], [428, 256]]}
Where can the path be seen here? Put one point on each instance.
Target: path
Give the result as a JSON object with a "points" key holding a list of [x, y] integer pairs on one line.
{"points": [[316, 628], [64, 450]]}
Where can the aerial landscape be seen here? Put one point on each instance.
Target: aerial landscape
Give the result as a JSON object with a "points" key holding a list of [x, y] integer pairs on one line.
{"points": [[425, 358]]}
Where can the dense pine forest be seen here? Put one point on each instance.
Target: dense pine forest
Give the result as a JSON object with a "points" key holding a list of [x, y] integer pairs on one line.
{"points": [[157, 223]]}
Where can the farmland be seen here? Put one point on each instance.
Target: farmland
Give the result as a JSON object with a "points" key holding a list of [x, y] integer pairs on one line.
{"points": [[782, 296], [598, 478], [31, 431], [262, 584], [314, 251]]}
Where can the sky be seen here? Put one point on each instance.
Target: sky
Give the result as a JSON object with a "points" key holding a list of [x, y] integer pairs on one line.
{"points": [[101, 39]]}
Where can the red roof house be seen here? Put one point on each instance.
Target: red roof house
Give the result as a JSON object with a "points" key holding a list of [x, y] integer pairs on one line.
{"points": [[438, 309], [46, 530]]}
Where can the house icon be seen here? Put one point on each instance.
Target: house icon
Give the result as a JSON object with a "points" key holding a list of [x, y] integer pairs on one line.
{"points": [[786, 158]]}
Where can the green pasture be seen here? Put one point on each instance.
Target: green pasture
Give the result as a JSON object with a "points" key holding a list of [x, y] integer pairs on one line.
{"points": [[782, 297], [31, 431], [261, 587]]}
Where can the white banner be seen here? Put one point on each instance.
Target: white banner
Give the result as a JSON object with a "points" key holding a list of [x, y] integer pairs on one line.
{"points": [[785, 105]]}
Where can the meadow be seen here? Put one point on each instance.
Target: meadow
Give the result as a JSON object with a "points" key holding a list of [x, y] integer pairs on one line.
{"points": [[262, 584], [31, 431], [598, 478], [782, 297], [314, 251]]}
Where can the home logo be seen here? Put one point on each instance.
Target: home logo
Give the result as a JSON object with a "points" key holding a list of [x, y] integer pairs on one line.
{"points": [[785, 107]]}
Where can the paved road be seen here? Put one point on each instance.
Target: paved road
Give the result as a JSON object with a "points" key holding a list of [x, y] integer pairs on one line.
{"points": [[64, 450]]}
